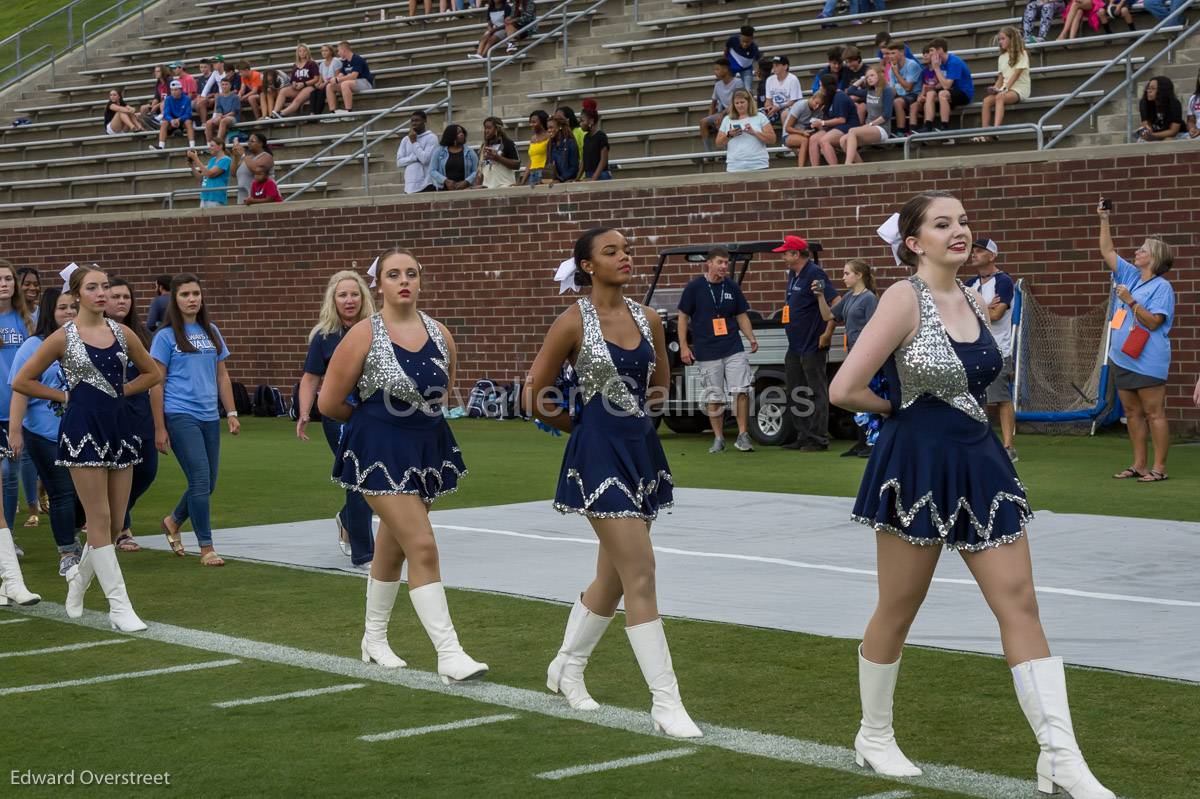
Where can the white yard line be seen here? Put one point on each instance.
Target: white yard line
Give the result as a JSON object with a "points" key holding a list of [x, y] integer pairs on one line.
{"points": [[129, 675], [13, 621], [777, 747], [66, 648], [258, 700], [411, 732], [610, 765], [889, 795], [797, 564]]}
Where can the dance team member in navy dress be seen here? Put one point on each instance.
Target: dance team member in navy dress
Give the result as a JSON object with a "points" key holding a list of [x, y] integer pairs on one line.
{"points": [[397, 451], [614, 471], [96, 441], [347, 302], [938, 476]]}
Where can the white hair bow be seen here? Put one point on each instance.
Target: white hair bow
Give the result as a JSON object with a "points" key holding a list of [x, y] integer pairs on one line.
{"points": [[66, 273], [371, 273], [889, 231], [566, 276]]}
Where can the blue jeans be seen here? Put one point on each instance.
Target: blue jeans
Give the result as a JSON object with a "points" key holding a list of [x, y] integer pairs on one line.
{"points": [[747, 77], [535, 176], [829, 7], [1158, 8], [143, 477], [197, 447], [355, 513], [21, 475], [865, 6], [42, 453]]}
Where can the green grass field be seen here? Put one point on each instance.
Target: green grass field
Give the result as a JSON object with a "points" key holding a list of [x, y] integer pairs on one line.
{"points": [[15, 15], [1138, 733]]}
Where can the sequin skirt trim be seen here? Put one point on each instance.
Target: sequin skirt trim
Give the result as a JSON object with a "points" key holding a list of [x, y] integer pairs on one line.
{"points": [[638, 497], [431, 479], [91, 453]]}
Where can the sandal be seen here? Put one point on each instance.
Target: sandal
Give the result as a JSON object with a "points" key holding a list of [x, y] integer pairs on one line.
{"points": [[211, 559], [125, 543], [343, 536], [174, 539], [33, 520], [1153, 477], [1130, 472]]}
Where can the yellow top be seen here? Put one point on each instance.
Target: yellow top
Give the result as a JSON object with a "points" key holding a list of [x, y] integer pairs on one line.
{"points": [[537, 153]]}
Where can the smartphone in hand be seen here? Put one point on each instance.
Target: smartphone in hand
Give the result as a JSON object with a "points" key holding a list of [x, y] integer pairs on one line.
{"points": [[1106, 204]]}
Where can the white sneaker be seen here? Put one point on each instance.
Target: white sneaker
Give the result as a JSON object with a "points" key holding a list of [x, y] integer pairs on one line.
{"points": [[718, 445], [340, 111], [743, 443], [475, 56]]}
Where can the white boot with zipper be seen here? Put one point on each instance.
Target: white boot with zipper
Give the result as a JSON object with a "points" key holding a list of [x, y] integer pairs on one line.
{"points": [[875, 745], [565, 674], [381, 597], [454, 665], [1041, 687], [79, 579], [108, 572], [12, 586], [649, 643]]}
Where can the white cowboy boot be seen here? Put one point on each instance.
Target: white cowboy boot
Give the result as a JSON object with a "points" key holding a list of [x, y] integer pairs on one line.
{"points": [[454, 665], [12, 586], [565, 674], [108, 572], [79, 579], [1041, 687], [649, 644], [381, 596], [875, 744]]}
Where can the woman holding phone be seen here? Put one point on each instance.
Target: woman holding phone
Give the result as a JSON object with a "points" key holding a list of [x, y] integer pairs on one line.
{"points": [[1139, 349], [746, 133]]}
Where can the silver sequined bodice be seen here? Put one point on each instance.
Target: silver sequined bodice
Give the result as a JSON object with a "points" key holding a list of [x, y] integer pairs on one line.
{"points": [[77, 364], [929, 365], [594, 365], [382, 372]]}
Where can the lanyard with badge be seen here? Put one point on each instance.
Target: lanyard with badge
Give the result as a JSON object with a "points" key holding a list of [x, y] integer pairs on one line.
{"points": [[1118, 318], [793, 281], [1135, 342], [720, 328]]}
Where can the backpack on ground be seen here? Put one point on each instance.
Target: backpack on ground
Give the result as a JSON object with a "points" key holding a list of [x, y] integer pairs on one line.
{"points": [[264, 401], [241, 399], [484, 401]]}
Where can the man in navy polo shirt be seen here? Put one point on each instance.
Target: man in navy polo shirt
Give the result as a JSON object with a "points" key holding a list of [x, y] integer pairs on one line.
{"points": [[713, 309], [809, 337], [998, 290]]}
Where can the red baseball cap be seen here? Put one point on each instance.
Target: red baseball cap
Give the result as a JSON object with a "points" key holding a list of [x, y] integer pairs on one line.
{"points": [[792, 243]]}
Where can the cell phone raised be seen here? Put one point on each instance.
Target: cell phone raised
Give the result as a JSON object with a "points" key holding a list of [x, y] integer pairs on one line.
{"points": [[1106, 204]]}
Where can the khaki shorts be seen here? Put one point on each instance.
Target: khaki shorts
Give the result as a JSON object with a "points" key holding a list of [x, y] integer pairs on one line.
{"points": [[1000, 389], [723, 377]]}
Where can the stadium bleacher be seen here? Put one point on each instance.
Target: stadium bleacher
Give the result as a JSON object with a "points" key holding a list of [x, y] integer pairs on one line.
{"points": [[651, 77]]}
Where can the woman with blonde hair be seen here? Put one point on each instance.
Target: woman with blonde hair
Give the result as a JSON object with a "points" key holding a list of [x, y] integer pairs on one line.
{"points": [[347, 302], [16, 323], [305, 77], [746, 133], [1012, 79], [880, 105]]}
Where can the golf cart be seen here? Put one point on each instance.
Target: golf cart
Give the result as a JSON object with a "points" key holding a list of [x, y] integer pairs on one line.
{"points": [[769, 424]]}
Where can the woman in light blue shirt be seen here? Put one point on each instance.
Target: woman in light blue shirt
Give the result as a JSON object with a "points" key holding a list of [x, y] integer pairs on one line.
{"points": [[15, 324], [1139, 352], [34, 426], [191, 353]]}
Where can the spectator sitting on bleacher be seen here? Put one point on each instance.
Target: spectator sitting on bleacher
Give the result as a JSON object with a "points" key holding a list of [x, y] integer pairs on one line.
{"points": [[880, 105], [329, 67], [255, 154], [210, 88], [227, 110], [1193, 112], [904, 76], [162, 87], [762, 72], [797, 125], [782, 90], [1120, 9], [828, 11], [1159, 9], [176, 116], [835, 68], [497, 12], [354, 77], [955, 86], [1161, 112], [563, 163], [120, 118], [594, 154], [213, 175], [498, 157], [746, 133], [412, 7], [252, 84], [200, 101], [525, 12], [1044, 10], [539, 148], [268, 95], [415, 154], [263, 189], [1074, 14], [1013, 84], [882, 40], [741, 55], [454, 165], [838, 114], [305, 75], [186, 81], [722, 97], [853, 70]]}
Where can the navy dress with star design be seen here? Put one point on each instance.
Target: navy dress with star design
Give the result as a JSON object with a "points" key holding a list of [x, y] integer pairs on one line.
{"points": [[96, 426]]}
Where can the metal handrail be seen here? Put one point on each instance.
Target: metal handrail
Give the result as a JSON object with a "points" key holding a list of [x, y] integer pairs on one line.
{"points": [[563, 27], [1126, 56], [21, 65], [169, 200], [1018, 127], [140, 11]]}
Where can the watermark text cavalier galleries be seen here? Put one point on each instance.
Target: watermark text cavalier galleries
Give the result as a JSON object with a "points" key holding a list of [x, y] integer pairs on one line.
{"points": [[88, 777]]}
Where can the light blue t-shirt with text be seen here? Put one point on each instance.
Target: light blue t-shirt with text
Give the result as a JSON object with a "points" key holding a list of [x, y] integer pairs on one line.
{"points": [[191, 385]]}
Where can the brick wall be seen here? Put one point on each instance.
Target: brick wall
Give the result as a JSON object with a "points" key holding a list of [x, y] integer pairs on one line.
{"points": [[489, 258]]}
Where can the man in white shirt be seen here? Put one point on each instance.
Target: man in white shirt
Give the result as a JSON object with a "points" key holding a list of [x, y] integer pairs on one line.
{"points": [[782, 89], [415, 153], [998, 292]]}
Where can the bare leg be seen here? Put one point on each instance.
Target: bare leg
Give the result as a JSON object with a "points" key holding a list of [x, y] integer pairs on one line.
{"points": [[716, 419], [1005, 576], [389, 556], [347, 95], [119, 483], [1008, 423], [944, 106], [605, 591], [988, 102], [905, 571], [91, 486], [1135, 421], [1002, 102], [627, 544], [406, 518], [814, 148], [828, 142], [1154, 402], [742, 411]]}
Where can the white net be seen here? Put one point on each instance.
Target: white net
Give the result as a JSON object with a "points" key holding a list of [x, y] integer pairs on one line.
{"points": [[1059, 363]]}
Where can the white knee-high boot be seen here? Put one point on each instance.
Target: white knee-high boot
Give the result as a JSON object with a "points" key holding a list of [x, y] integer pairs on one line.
{"points": [[875, 745], [1041, 687], [381, 596], [79, 579], [12, 586], [565, 674], [649, 643], [108, 572], [454, 665]]}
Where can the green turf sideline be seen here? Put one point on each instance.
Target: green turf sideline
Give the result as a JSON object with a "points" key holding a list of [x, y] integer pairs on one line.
{"points": [[778, 747]]}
